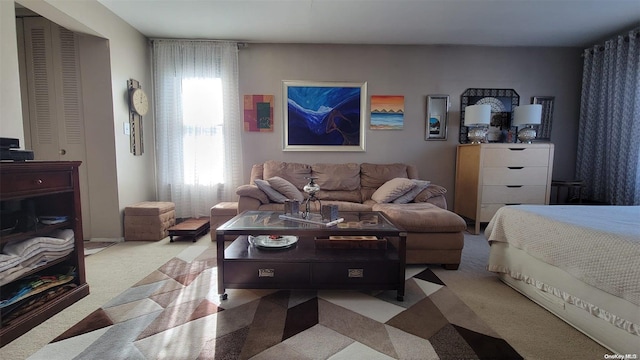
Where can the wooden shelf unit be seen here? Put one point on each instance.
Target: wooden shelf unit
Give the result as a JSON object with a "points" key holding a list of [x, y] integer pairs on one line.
{"points": [[44, 188]]}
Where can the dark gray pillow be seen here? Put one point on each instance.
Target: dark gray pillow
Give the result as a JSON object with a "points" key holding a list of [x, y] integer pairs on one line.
{"points": [[272, 194]]}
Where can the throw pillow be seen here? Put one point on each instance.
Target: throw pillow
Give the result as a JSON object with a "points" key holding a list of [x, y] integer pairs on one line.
{"points": [[272, 194], [431, 191], [392, 190], [285, 188], [411, 194], [252, 191]]}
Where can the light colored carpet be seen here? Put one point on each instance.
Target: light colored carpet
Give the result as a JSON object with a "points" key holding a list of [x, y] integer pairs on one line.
{"points": [[531, 330], [94, 247]]}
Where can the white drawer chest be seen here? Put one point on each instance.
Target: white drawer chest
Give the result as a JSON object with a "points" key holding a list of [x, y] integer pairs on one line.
{"points": [[489, 176]]}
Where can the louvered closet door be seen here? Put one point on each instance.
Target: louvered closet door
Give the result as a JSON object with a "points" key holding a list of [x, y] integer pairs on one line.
{"points": [[55, 103], [41, 85], [55, 99]]}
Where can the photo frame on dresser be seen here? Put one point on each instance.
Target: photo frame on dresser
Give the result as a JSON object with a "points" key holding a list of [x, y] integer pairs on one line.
{"points": [[502, 102]]}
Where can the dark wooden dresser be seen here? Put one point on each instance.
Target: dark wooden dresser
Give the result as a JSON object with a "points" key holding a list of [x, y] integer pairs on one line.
{"points": [[28, 191]]}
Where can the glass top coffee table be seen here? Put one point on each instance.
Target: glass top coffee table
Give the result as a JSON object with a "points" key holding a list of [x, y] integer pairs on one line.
{"points": [[274, 253]]}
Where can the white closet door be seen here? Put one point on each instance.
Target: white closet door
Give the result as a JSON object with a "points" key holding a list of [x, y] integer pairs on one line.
{"points": [[55, 99], [41, 89], [69, 105]]}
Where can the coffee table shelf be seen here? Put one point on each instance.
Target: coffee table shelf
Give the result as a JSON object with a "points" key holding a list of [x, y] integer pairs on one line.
{"points": [[303, 266]]}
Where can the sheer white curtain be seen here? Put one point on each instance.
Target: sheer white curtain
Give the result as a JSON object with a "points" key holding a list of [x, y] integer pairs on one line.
{"points": [[198, 125]]}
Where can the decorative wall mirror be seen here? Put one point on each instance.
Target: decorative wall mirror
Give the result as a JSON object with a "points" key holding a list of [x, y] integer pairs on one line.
{"points": [[502, 102], [437, 116], [544, 130]]}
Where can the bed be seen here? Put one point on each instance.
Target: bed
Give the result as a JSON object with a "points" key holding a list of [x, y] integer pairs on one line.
{"points": [[580, 262]]}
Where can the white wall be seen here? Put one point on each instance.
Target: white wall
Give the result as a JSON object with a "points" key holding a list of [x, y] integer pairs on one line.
{"points": [[415, 72], [10, 103], [117, 178]]}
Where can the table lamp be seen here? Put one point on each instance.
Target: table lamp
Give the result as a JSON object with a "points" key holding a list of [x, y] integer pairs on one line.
{"points": [[477, 119], [524, 117]]}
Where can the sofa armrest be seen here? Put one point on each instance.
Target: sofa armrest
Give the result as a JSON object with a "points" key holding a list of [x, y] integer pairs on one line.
{"points": [[250, 198], [433, 194], [248, 203], [252, 191]]}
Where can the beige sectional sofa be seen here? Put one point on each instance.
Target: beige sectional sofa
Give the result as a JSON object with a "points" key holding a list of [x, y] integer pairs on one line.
{"points": [[434, 234]]}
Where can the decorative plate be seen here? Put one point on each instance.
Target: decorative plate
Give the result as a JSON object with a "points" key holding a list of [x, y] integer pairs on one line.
{"points": [[273, 242]]}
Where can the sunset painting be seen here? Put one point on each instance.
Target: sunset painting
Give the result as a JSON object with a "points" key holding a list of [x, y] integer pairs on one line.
{"points": [[387, 112]]}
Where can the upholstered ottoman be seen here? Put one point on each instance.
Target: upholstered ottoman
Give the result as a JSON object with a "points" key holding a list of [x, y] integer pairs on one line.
{"points": [[221, 213], [434, 235], [149, 220]]}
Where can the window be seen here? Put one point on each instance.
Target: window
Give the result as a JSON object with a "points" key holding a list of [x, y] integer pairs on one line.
{"points": [[202, 131]]}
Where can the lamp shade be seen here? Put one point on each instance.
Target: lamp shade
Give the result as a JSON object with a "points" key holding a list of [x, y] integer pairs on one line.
{"points": [[477, 115], [527, 115]]}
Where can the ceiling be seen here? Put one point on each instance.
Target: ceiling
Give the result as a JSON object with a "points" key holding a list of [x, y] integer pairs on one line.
{"points": [[579, 23]]}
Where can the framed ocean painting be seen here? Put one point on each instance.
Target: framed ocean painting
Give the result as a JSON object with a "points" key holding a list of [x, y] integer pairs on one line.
{"points": [[324, 116], [387, 112]]}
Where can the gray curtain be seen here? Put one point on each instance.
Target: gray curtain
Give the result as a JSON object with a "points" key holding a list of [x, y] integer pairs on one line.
{"points": [[609, 128]]}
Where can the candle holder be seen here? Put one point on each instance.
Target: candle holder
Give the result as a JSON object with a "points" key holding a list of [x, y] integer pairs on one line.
{"points": [[311, 189]]}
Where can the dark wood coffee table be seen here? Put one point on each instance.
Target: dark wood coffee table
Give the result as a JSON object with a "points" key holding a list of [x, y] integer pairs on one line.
{"points": [[190, 228], [304, 266]]}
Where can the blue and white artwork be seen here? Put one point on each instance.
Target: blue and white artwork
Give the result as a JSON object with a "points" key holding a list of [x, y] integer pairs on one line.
{"points": [[324, 117]]}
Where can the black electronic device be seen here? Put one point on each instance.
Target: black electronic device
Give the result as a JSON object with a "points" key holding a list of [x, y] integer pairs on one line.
{"points": [[16, 155], [9, 143]]}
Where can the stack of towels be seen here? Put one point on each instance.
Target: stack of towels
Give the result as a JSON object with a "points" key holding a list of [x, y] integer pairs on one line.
{"points": [[18, 258]]}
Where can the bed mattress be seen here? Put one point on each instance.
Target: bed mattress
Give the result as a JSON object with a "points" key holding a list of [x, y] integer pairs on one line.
{"points": [[580, 262]]}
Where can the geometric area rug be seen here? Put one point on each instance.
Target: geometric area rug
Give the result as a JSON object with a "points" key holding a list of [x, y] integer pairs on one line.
{"points": [[175, 313]]}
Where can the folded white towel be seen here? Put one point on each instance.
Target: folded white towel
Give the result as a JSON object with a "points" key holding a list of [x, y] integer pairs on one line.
{"points": [[8, 261], [27, 247]]}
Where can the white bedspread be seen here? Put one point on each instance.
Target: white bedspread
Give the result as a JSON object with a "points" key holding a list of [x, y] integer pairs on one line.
{"points": [[599, 245]]}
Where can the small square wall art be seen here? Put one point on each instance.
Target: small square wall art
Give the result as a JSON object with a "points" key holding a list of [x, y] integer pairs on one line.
{"points": [[258, 113], [387, 112]]}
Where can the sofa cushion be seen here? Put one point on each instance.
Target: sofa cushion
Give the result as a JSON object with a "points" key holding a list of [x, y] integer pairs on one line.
{"points": [[392, 189], [337, 176], [252, 191], [411, 194], [285, 188], [339, 195], [430, 192], [346, 206], [422, 217], [295, 173], [375, 175], [272, 193]]}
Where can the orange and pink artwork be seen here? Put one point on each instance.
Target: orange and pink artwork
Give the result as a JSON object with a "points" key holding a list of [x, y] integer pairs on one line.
{"points": [[387, 112], [258, 113]]}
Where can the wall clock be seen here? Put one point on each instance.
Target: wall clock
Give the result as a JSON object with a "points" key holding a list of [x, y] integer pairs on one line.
{"points": [[139, 101], [138, 106]]}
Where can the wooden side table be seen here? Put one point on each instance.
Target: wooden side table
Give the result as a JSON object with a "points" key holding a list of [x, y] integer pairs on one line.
{"points": [[190, 228]]}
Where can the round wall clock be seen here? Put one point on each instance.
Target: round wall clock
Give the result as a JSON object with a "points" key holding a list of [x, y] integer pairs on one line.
{"points": [[139, 101]]}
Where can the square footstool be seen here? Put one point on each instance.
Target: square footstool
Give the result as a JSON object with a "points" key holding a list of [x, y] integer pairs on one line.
{"points": [[220, 214], [223, 212], [148, 220]]}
